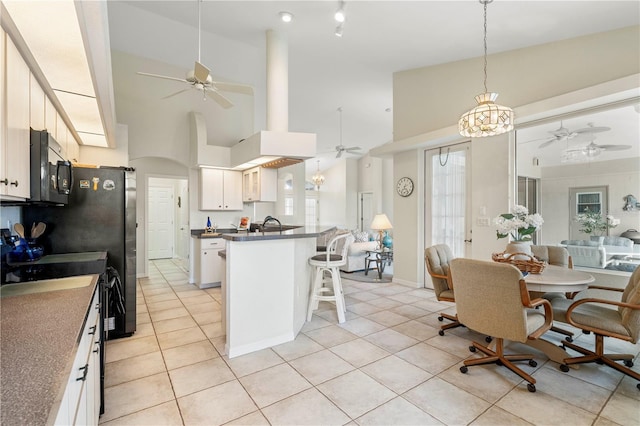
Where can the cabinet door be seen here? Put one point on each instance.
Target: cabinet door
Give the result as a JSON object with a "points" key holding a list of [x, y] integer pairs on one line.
{"points": [[232, 190], [247, 194], [36, 107], [211, 189], [212, 267], [16, 156]]}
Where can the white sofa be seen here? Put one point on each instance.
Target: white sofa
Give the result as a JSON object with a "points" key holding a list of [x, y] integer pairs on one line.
{"points": [[586, 253], [356, 253]]}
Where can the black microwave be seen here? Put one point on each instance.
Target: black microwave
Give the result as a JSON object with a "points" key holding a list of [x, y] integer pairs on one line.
{"points": [[51, 174]]}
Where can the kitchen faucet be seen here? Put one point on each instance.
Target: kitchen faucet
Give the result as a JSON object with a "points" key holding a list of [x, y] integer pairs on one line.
{"points": [[271, 219]]}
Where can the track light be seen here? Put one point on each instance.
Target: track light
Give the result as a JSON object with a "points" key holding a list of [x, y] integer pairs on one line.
{"points": [[339, 16]]}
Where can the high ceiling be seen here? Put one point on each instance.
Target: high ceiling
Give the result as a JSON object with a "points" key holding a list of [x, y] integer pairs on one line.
{"points": [[355, 71]]}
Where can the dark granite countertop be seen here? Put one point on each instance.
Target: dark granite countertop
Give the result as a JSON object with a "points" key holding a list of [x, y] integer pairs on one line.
{"points": [[301, 232], [40, 335], [87, 256], [200, 233]]}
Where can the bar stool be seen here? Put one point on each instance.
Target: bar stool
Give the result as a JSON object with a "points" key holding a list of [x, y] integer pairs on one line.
{"points": [[329, 262]]}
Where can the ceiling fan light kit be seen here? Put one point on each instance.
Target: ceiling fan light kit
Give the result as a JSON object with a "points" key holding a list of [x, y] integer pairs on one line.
{"points": [[488, 118], [200, 78]]}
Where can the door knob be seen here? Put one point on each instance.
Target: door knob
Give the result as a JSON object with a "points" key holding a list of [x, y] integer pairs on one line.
{"points": [[469, 240]]}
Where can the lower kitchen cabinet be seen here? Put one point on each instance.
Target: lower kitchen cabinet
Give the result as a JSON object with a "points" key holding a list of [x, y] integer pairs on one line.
{"points": [[209, 267], [80, 404]]}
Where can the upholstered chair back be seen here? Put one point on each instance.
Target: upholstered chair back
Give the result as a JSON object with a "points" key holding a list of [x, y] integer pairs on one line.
{"points": [[631, 317], [437, 259], [617, 241], [553, 255], [489, 299]]}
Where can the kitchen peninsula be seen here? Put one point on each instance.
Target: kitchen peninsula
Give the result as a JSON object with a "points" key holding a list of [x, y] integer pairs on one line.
{"points": [[265, 289]]}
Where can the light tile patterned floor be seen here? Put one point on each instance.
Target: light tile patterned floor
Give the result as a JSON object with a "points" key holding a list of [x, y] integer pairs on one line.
{"points": [[386, 366]]}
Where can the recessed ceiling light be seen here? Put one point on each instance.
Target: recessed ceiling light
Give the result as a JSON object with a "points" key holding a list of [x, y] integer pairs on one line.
{"points": [[339, 16], [286, 16]]}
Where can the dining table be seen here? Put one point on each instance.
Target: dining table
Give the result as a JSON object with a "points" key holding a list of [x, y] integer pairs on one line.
{"points": [[556, 279]]}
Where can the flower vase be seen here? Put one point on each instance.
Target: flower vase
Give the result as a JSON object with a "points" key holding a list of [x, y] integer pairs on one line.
{"points": [[519, 247]]}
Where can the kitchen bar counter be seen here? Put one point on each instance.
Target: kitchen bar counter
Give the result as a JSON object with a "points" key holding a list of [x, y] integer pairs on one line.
{"points": [[266, 287], [40, 323]]}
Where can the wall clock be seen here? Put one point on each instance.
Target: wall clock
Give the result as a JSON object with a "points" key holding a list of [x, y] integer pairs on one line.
{"points": [[404, 187]]}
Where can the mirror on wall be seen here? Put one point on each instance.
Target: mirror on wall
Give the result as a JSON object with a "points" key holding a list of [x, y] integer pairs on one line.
{"points": [[561, 161]]}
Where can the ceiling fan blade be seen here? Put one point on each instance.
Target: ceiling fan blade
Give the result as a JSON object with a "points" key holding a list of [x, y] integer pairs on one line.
{"points": [[353, 148], [245, 89], [200, 72], [339, 154], [547, 143], [614, 147], [593, 130], [174, 94], [164, 77], [221, 100]]}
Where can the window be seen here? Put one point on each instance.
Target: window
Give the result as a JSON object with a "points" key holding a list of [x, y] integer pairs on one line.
{"points": [[591, 201], [288, 206]]}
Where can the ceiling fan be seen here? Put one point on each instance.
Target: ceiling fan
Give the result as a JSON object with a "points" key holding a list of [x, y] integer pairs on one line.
{"points": [[200, 79], [341, 148], [564, 134], [593, 149]]}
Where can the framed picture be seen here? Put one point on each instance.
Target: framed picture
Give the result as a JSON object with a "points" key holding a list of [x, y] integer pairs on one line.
{"points": [[244, 223]]}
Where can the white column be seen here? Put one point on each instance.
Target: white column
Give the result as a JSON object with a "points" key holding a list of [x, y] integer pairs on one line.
{"points": [[277, 82]]}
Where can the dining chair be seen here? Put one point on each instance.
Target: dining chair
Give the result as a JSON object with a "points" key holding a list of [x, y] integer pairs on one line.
{"points": [[559, 256], [492, 298], [436, 259], [595, 315]]}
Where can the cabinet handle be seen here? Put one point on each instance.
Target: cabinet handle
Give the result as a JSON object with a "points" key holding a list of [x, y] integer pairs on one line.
{"points": [[14, 183], [93, 329], [84, 374], [96, 350], [5, 181]]}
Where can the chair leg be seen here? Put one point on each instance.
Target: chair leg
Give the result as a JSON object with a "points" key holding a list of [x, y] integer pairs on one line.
{"points": [[499, 357], [600, 356], [315, 292], [337, 291], [454, 322]]}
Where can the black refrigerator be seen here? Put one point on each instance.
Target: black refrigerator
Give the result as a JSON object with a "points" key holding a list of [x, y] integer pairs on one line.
{"points": [[100, 216]]}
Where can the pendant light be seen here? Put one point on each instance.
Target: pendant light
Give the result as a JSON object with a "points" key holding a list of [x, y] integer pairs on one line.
{"points": [[488, 118], [318, 178]]}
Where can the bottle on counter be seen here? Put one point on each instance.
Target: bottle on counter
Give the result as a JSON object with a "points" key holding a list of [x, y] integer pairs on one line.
{"points": [[208, 228]]}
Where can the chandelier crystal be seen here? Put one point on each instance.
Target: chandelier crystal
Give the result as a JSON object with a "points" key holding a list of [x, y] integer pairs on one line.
{"points": [[318, 178], [488, 118]]}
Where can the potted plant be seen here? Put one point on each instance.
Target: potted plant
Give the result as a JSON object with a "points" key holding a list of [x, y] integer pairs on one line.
{"points": [[595, 224], [519, 225]]}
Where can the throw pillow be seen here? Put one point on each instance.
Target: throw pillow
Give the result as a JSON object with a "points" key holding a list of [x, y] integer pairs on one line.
{"points": [[360, 236]]}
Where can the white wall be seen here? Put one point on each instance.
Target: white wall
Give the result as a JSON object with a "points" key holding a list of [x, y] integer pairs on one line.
{"points": [[428, 102], [622, 177], [118, 156], [338, 197]]}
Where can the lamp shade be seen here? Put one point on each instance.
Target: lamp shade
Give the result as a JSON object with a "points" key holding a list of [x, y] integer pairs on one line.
{"points": [[381, 222]]}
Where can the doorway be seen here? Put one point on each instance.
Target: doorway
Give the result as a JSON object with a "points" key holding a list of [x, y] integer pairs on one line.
{"points": [[168, 219], [365, 207], [593, 199], [448, 198]]}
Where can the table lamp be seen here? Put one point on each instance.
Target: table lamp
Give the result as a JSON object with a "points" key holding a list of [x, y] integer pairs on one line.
{"points": [[380, 223]]}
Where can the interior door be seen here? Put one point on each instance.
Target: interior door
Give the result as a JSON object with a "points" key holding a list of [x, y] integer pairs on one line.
{"points": [[160, 214], [448, 198], [366, 210], [581, 199], [184, 233]]}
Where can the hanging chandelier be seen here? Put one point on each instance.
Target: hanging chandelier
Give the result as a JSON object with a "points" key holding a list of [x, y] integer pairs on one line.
{"points": [[318, 178], [488, 118]]}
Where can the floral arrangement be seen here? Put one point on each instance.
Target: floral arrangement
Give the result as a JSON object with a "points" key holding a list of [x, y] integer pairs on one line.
{"points": [[518, 224], [594, 223]]}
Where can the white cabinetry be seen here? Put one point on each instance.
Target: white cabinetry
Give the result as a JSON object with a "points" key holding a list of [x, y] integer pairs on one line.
{"points": [[220, 189], [14, 143], [209, 267], [81, 401], [259, 184], [36, 107]]}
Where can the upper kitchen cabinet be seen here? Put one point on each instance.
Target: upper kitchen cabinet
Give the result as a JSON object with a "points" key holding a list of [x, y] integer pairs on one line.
{"points": [[14, 145], [259, 184], [50, 117], [36, 107], [220, 189]]}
